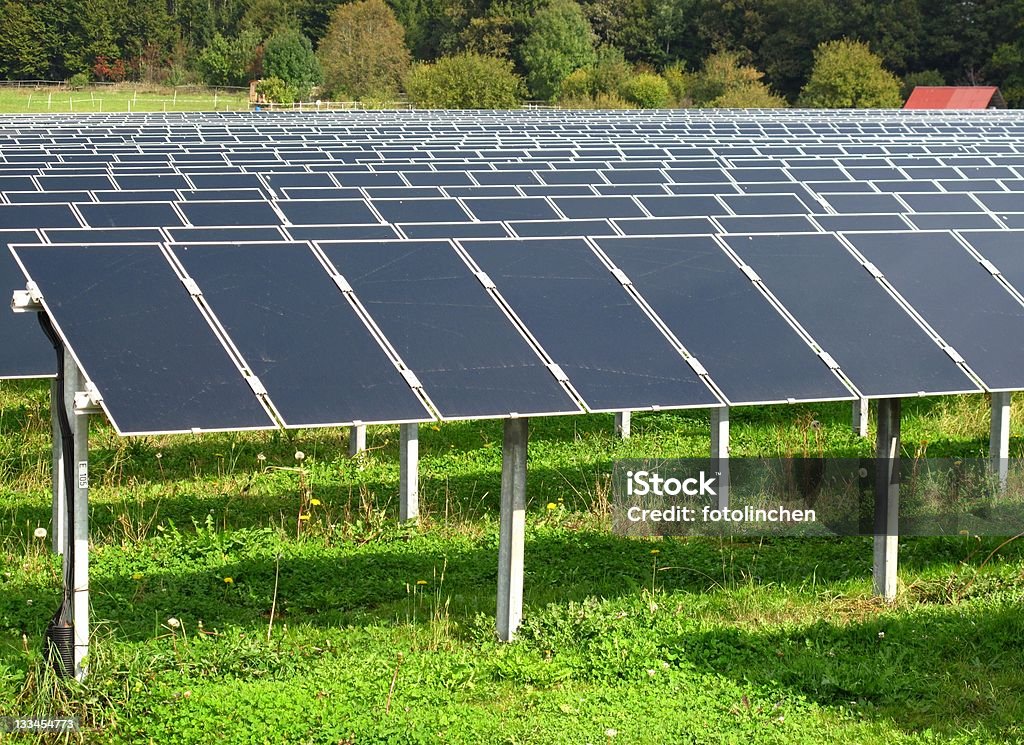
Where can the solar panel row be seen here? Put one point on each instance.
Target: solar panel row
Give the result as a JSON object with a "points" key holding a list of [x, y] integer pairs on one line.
{"points": [[677, 298]]}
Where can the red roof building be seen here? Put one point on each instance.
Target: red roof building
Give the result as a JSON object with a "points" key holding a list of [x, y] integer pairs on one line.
{"points": [[955, 97]]}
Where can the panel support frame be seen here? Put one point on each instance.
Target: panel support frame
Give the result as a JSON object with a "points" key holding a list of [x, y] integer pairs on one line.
{"points": [[861, 417], [720, 452], [999, 436], [512, 531], [356, 439], [408, 477], [887, 499], [59, 522], [623, 424]]}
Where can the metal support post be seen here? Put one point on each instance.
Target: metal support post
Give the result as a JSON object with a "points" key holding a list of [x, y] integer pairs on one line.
{"points": [[408, 478], [887, 498], [622, 424], [860, 417], [999, 436], [720, 452], [356, 439], [512, 532]]}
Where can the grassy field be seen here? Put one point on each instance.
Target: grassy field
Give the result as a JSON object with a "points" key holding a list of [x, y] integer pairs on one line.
{"points": [[383, 633], [118, 98]]}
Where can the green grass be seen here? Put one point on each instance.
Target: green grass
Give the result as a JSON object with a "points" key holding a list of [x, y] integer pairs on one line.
{"points": [[384, 633], [118, 98]]}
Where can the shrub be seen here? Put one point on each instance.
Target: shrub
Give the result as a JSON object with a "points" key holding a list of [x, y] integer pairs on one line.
{"points": [[678, 83], [289, 56], [610, 101], [610, 71], [648, 91], [723, 82], [79, 80], [847, 75], [231, 61], [560, 41], [275, 90], [363, 52], [578, 85], [465, 81]]}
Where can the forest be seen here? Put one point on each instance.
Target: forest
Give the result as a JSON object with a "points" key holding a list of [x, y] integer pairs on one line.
{"points": [[540, 42]]}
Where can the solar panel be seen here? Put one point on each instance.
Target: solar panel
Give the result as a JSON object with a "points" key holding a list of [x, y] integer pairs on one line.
{"points": [[1001, 247], [765, 224], [101, 235], [25, 351], [220, 195], [472, 361], [74, 183], [47, 197], [457, 230], [327, 212], [129, 215], [953, 221], [853, 204], [443, 178], [340, 232], [765, 204], [420, 210], [32, 216], [940, 203], [600, 207], [133, 196], [219, 235], [877, 345], [1001, 201], [558, 287], [665, 226], [278, 181], [683, 206], [554, 228], [523, 208], [141, 340], [751, 353], [369, 179], [505, 178], [933, 271], [220, 214], [299, 335], [839, 223]]}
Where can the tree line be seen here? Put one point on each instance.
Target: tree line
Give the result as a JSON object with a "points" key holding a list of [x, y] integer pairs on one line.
{"points": [[541, 43]]}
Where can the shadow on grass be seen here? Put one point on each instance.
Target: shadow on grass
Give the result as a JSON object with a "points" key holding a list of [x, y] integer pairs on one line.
{"points": [[944, 667]]}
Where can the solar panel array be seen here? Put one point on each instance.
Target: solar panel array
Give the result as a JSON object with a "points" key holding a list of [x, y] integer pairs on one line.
{"points": [[231, 271]]}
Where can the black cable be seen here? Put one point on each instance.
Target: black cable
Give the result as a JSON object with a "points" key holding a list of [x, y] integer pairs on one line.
{"points": [[60, 634]]}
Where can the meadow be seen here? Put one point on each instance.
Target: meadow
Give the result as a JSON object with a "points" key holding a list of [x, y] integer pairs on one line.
{"points": [[242, 595], [118, 98]]}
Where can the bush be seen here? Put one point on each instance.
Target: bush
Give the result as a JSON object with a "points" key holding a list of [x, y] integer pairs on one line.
{"points": [[578, 85], [847, 75], [231, 61], [289, 56], [363, 52], [648, 91], [275, 90], [723, 82], [560, 41], [913, 79], [610, 101], [79, 80], [465, 81], [610, 71], [678, 83]]}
